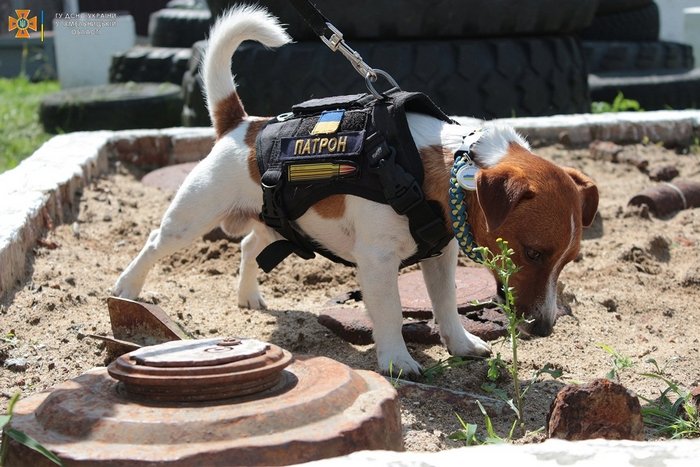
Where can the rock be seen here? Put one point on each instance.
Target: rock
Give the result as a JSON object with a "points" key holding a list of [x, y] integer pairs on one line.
{"points": [[663, 173], [600, 409], [18, 364], [605, 150]]}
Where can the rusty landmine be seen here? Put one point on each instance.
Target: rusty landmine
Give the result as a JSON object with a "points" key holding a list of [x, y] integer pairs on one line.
{"points": [[319, 408], [200, 370], [475, 287]]}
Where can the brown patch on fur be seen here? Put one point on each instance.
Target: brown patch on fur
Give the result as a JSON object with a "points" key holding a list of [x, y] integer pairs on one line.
{"points": [[332, 207], [228, 114], [437, 162], [249, 140]]}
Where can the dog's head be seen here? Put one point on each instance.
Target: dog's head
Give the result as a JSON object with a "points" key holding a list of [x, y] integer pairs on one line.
{"points": [[540, 209]]}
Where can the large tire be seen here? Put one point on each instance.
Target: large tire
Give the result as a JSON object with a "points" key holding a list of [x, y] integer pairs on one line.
{"points": [[604, 56], [143, 64], [659, 91], [446, 19], [480, 78], [641, 24], [112, 107], [614, 6], [176, 27]]}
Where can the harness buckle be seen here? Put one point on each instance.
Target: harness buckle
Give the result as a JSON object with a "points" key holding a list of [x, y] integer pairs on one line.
{"points": [[401, 190]]}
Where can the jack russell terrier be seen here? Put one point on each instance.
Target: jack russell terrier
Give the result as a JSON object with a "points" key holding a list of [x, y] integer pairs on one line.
{"points": [[538, 207]]}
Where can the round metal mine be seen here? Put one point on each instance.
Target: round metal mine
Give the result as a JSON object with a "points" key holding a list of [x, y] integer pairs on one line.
{"points": [[317, 408], [200, 370]]}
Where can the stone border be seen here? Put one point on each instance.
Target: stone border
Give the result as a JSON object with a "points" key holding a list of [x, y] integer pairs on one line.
{"points": [[589, 453], [42, 190]]}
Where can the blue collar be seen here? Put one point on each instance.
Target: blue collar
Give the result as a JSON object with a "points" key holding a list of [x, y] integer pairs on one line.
{"points": [[458, 210]]}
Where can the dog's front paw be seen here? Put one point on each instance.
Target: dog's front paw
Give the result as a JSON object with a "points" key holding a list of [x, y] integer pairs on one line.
{"points": [[400, 365], [125, 288], [467, 345], [254, 301]]}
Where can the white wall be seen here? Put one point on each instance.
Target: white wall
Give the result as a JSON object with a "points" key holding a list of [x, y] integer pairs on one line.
{"points": [[672, 18]]}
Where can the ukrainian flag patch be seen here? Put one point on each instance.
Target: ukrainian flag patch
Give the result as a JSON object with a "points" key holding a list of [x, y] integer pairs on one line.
{"points": [[328, 122]]}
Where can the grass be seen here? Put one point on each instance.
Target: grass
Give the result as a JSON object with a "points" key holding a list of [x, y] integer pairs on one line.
{"points": [[22, 132]]}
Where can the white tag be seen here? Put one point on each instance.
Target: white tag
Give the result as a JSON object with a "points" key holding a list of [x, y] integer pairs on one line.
{"points": [[466, 177]]}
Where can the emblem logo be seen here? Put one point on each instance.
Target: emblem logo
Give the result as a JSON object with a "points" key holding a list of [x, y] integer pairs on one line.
{"points": [[23, 23]]}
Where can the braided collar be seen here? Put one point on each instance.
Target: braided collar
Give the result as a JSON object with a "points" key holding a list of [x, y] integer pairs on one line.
{"points": [[462, 177]]}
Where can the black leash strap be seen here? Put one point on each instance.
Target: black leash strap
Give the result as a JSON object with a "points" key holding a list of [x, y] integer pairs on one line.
{"points": [[333, 38]]}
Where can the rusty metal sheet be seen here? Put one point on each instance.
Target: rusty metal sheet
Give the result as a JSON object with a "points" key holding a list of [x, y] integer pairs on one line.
{"points": [[141, 323]]}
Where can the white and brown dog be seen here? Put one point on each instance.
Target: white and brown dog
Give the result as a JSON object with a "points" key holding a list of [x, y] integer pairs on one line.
{"points": [[537, 206]]}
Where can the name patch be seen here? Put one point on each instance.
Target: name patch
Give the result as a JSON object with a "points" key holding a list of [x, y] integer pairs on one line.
{"points": [[339, 144]]}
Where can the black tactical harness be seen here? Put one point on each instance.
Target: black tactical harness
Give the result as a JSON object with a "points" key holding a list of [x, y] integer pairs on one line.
{"points": [[370, 154]]}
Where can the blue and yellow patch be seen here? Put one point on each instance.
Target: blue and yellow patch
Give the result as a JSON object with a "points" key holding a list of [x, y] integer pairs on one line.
{"points": [[328, 122]]}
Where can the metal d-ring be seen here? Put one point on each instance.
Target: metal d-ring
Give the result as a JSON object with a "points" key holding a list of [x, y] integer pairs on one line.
{"points": [[369, 79]]}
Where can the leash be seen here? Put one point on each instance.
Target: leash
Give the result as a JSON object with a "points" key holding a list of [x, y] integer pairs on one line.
{"points": [[463, 177], [333, 38]]}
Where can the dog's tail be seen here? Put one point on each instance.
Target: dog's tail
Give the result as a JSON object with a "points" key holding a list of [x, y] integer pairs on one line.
{"points": [[236, 25]]}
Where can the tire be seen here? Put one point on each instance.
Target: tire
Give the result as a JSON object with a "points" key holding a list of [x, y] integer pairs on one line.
{"points": [[480, 78], [658, 91], [614, 6], [112, 107], [175, 27], [446, 19], [641, 24], [613, 56], [150, 64]]}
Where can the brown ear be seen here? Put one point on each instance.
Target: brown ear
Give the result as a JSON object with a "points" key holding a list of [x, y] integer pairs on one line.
{"points": [[498, 191], [588, 191]]}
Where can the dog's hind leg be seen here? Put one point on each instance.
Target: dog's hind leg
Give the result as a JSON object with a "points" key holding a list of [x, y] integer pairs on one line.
{"points": [[249, 295], [439, 276], [207, 196], [163, 241]]}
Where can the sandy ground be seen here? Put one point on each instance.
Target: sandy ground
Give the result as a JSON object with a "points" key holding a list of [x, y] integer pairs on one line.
{"points": [[635, 287]]}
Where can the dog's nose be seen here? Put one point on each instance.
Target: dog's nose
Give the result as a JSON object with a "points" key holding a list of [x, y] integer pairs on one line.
{"points": [[540, 328]]}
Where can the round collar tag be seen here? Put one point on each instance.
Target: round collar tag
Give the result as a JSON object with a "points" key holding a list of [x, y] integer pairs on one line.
{"points": [[466, 177]]}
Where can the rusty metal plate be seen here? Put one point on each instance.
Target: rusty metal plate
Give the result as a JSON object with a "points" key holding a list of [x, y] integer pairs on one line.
{"points": [[197, 370], [472, 284], [321, 408], [200, 352]]}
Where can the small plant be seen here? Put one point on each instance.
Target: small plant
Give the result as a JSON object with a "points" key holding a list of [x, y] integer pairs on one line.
{"points": [[441, 366], [619, 362], [619, 104], [504, 267], [20, 437], [677, 419], [394, 378]]}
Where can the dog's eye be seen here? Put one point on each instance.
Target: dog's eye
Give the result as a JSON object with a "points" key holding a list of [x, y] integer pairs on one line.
{"points": [[533, 255]]}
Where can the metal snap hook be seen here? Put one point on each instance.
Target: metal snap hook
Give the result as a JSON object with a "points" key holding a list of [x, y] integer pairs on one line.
{"points": [[373, 76]]}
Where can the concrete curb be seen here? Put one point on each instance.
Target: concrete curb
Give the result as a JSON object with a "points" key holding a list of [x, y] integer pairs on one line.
{"points": [[591, 453], [42, 190]]}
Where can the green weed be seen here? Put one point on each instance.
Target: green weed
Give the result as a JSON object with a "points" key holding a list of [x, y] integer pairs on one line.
{"points": [[20, 437], [619, 104], [504, 267]]}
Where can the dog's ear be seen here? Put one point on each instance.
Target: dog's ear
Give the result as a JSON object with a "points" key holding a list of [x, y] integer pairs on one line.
{"points": [[588, 193], [499, 190]]}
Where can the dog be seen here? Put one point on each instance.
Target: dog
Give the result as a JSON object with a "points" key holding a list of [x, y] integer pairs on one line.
{"points": [[539, 207]]}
